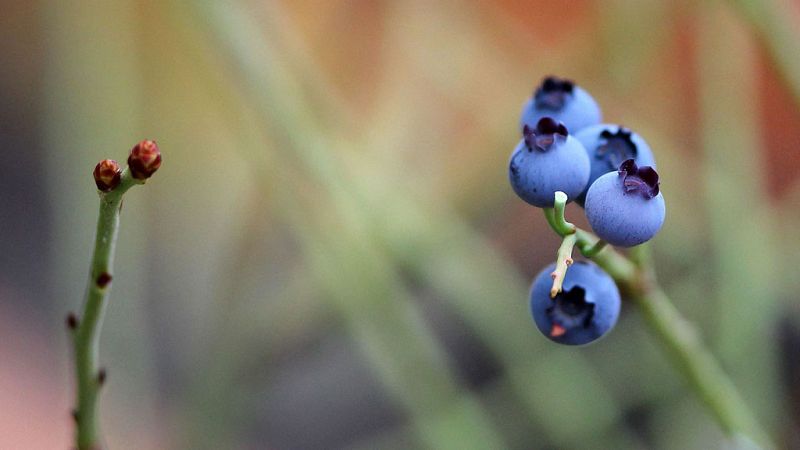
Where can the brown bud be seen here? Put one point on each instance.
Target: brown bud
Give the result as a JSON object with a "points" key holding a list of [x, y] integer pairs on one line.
{"points": [[101, 376], [107, 175], [144, 160]]}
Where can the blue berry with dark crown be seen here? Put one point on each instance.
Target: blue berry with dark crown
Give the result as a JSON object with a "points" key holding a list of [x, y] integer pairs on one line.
{"points": [[562, 100], [585, 310], [608, 146], [546, 160], [626, 208]]}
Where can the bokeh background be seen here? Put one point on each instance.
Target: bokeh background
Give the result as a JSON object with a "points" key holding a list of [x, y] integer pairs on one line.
{"points": [[331, 256]]}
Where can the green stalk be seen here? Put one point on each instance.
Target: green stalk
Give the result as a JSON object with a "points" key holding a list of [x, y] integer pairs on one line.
{"points": [[86, 334], [636, 279], [704, 374]]}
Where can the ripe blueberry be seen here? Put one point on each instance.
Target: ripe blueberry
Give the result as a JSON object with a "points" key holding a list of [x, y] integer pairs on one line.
{"points": [[586, 309], [563, 101], [625, 208], [546, 160], [608, 146]]}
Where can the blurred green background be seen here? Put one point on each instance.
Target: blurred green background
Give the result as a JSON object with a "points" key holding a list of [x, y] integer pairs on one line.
{"points": [[331, 256]]}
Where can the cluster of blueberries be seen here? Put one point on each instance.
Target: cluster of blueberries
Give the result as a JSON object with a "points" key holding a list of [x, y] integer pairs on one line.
{"points": [[606, 169]]}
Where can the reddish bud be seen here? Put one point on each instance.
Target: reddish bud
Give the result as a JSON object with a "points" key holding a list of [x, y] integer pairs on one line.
{"points": [[144, 160], [107, 175]]}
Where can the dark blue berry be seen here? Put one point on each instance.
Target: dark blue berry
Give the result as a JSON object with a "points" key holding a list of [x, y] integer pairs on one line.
{"points": [[608, 146], [625, 208], [546, 160], [586, 309], [562, 100]]}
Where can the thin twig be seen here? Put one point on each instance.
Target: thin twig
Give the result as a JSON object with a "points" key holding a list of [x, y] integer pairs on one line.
{"points": [[563, 261], [144, 160]]}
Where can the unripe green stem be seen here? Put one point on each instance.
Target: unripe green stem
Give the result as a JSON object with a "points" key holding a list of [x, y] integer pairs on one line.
{"points": [[86, 335]]}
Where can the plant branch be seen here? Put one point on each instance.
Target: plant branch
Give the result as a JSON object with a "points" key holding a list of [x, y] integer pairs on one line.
{"points": [[555, 215], [87, 331], [636, 279], [144, 160], [693, 359]]}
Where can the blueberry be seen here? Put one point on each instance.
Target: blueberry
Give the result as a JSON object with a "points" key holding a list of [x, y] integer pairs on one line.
{"points": [[563, 101], [608, 146], [586, 309], [546, 160], [625, 208]]}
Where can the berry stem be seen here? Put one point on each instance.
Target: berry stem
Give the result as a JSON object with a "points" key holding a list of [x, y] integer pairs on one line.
{"points": [[549, 214], [563, 261], [636, 279], [555, 216], [86, 333], [590, 251], [560, 203], [691, 357]]}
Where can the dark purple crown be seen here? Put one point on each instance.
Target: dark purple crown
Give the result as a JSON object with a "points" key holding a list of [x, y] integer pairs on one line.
{"points": [[639, 179], [617, 147], [553, 93], [547, 132], [571, 310]]}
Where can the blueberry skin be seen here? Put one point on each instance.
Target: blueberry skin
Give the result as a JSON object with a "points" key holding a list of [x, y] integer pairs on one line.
{"points": [[536, 176], [600, 294], [578, 112], [602, 164], [622, 218]]}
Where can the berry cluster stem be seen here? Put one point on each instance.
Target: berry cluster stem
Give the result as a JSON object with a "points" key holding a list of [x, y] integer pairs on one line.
{"points": [[555, 216], [563, 261], [636, 279], [86, 330]]}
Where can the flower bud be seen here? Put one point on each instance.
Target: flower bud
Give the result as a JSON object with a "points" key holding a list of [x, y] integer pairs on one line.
{"points": [[107, 175], [144, 160]]}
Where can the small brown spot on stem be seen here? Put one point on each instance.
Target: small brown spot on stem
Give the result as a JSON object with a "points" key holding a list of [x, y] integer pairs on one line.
{"points": [[103, 280], [101, 376], [75, 415], [72, 321]]}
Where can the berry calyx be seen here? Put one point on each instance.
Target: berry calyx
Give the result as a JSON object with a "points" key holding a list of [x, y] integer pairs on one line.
{"points": [[617, 147], [144, 160], [570, 310], [553, 93], [546, 133], [107, 175], [643, 180], [562, 100]]}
